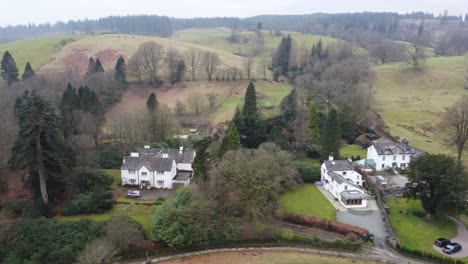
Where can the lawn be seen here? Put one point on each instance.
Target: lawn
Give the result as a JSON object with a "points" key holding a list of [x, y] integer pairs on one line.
{"points": [[116, 179], [37, 51], [417, 232], [353, 151], [308, 200], [140, 213], [412, 102]]}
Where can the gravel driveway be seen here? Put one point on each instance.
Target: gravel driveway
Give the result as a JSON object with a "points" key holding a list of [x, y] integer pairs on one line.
{"points": [[461, 238]]}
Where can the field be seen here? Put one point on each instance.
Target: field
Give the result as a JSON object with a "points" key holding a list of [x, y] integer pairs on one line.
{"points": [[74, 57], [37, 51], [417, 232], [260, 257], [307, 200], [353, 151], [411, 102], [229, 95]]}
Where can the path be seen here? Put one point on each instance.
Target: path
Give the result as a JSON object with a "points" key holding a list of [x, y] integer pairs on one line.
{"points": [[461, 238]]}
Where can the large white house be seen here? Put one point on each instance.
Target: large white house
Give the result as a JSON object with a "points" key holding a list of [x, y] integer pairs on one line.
{"points": [[344, 183], [158, 168], [386, 154]]}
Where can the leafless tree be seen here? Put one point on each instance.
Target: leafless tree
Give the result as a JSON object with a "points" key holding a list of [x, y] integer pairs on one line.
{"points": [[211, 62], [195, 103], [173, 58], [135, 68], [263, 66], [211, 100], [193, 59], [179, 109], [150, 55], [415, 55], [99, 251], [248, 65], [122, 231], [455, 125], [387, 50]]}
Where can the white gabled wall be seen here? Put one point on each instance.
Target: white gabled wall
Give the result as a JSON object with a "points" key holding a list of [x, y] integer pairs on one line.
{"points": [[126, 176], [383, 162]]}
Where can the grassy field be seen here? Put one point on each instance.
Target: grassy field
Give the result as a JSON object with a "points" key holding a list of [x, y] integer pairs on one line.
{"points": [[353, 151], [417, 232], [229, 95], [260, 257], [37, 51], [411, 102], [308, 200], [74, 57]]}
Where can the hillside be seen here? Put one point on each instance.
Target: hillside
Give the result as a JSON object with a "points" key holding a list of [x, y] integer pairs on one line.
{"points": [[37, 51], [411, 102], [74, 57]]}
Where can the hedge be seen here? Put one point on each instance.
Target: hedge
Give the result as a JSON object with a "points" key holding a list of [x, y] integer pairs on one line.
{"points": [[309, 172], [427, 255], [87, 203]]}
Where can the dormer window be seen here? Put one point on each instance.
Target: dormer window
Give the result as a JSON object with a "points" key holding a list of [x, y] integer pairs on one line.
{"points": [[160, 172], [144, 173], [403, 158], [383, 158], [131, 171], [394, 157]]}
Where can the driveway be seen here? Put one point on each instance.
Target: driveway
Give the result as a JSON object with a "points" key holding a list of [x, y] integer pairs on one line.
{"points": [[461, 238]]}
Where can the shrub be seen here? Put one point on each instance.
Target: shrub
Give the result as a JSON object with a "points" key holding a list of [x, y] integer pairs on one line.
{"points": [[159, 201], [287, 235], [95, 181], [419, 213], [87, 203], [28, 209], [284, 234], [109, 159], [309, 172], [428, 255]]}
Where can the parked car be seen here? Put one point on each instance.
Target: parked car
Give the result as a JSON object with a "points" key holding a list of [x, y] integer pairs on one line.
{"points": [[452, 248], [442, 242], [133, 194]]}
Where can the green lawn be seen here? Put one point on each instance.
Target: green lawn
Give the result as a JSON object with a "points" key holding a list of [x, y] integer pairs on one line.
{"points": [[353, 151], [417, 232], [116, 179], [37, 51], [308, 200]]}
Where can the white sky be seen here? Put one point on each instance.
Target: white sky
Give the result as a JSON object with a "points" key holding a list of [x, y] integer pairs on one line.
{"points": [[39, 11]]}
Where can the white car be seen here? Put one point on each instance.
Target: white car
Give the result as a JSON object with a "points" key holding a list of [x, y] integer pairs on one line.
{"points": [[133, 194]]}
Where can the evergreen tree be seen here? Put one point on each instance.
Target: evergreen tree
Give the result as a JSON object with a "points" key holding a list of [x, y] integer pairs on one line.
{"points": [[152, 106], [347, 125], [9, 70], [91, 67], [289, 107], [283, 54], [201, 162], [39, 146], [331, 135], [69, 103], [421, 29], [238, 119], [231, 140], [152, 103], [98, 66], [313, 124], [28, 72], [121, 71], [250, 101], [466, 18]]}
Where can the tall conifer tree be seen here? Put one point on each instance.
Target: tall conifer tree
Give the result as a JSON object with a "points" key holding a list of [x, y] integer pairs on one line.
{"points": [[98, 66], [91, 67], [9, 70], [28, 72], [331, 135], [121, 71]]}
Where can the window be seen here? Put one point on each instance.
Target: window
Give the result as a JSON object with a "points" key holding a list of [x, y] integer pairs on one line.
{"points": [[144, 173], [160, 182], [132, 181], [403, 165], [131, 171], [403, 158], [346, 187], [383, 166], [344, 172], [160, 172], [359, 183], [394, 157], [383, 158]]}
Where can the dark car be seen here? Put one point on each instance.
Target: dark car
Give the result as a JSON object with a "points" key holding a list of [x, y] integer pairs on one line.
{"points": [[442, 242], [452, 248]]}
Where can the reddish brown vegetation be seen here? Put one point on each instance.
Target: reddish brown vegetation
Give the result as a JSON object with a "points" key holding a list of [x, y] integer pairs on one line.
{"points": [[324, 224], [15, 187]]}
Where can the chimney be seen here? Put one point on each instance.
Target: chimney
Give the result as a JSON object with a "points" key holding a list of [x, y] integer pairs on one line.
{"points": [[350, 159], [147, 146], [134, 154], [330, 157], [165, 156], [181, 149]]}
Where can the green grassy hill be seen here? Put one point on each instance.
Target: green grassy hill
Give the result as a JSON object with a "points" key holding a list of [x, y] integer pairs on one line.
{"points": [[411, 102], [37, 51]]}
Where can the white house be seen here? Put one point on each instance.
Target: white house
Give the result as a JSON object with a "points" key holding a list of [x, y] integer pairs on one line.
{"points": [[387, 154], [344, 183], [158, 168]]}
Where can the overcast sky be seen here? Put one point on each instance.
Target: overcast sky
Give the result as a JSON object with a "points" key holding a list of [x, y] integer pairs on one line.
{"points": [[39, 11]]}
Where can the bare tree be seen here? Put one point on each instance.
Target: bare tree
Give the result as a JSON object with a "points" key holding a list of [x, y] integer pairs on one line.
{"points": [[179, 109], [455, 125], [211, 100], [100, 251], [193, 59], [195, 103], [211, 61], [248, 65], [386, 50], [466, 70], [135, 68], [150, 55], [415, 55], [263, 66]]}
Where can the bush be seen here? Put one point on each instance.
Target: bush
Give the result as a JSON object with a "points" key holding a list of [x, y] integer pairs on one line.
{"points": [[309, 172], [287, 235], [284, 234], [87, 203], [419, 214], [28, 209], [94, 181], [49, 241], [159, 201], [109, 159], [428, 255]]}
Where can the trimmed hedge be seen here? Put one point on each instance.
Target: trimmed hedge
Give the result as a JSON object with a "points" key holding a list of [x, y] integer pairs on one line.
{"points": [[309, 172], [88, 203], [428, 255], [324, 224]]}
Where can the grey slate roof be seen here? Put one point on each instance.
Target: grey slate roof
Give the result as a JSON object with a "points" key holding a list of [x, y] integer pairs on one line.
{"points": [[339, 165], [338, 178], [187, 156], [152, 163], [393, 148], [183, 176], [353, 194]]}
